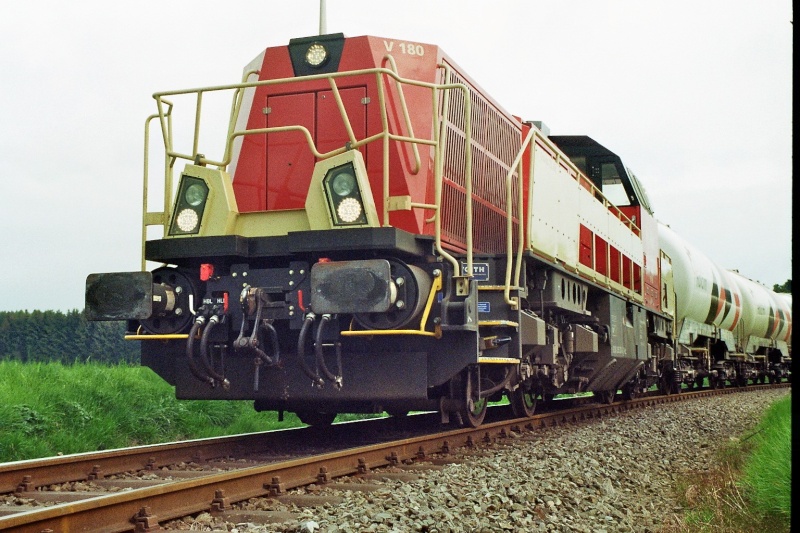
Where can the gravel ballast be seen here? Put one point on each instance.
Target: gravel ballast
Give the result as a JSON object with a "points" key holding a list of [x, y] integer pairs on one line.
{"points": [[615, 474]]}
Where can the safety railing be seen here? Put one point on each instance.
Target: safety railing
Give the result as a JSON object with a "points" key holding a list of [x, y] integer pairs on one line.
{"points": [[164, 116], [533, 138]]}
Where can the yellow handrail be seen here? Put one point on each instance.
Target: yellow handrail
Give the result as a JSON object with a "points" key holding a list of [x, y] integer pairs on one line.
{"points": [[165, 109]]}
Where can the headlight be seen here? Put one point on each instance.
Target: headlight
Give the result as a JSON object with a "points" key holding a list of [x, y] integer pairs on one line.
{"points": [[316, 55], [344, 196], [196, 194], [189, 206], [187, 220], [343, 183], [349, 210]]}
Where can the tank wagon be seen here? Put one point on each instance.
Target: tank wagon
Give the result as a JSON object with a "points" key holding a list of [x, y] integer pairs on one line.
{"points": [[729, 329], [378, 234]]}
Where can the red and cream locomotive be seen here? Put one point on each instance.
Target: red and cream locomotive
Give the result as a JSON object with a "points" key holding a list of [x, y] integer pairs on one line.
{"points": [[377, 234]]}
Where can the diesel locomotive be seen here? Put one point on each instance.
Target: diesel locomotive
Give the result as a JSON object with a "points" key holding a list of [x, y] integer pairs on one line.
{"points": [[377, 234]]}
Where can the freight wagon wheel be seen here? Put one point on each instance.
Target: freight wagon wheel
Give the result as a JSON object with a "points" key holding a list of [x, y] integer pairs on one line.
{"points": [[630, 391], [473, 410], [523, 402], [316, 418], [667, 384], [605, 396]]}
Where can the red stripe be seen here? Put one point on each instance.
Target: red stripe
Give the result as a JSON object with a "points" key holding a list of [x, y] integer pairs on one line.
{"points": [[720, 303], [738, 308]]}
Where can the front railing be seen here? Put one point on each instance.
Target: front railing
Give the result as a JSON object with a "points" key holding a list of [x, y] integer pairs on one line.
{"points": [[164, 116]]}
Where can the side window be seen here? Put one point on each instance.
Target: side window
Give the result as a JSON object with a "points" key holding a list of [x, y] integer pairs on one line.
{"points": [[613, 189]]}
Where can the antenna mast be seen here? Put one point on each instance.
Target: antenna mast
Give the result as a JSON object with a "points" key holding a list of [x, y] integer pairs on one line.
{"points": [[322, 21]]}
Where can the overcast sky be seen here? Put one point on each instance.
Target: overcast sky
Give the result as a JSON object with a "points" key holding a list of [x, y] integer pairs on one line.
{"points": [[695, 96]]}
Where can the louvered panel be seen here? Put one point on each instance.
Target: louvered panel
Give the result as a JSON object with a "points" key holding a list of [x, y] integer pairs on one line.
{"points": [[495, 143]]}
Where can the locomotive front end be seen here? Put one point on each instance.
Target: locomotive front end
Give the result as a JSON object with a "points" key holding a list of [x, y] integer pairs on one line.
{"points": [[305, 269]]}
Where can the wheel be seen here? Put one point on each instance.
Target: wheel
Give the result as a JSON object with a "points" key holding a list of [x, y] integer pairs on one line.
{"points": [[605, 396], [523, 402], [665, 383], [473, 410], [316, 418], [629, 392]]}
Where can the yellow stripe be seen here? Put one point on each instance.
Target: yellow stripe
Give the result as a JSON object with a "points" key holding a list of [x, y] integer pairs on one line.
{"points": [[498, 360], [369, 332], [497, 323]]}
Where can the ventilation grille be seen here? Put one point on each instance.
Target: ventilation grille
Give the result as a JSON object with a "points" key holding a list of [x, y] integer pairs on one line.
{"points": [[495, 143]]}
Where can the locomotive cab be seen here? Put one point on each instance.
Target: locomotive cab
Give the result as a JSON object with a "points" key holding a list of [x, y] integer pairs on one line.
{"points": [[606, 170]]}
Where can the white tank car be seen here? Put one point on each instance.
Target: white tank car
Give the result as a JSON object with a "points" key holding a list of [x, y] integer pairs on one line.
{"points": [[708, 301], [766, 317]]}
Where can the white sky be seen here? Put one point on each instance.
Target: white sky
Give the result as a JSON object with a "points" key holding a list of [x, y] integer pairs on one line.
{"points": [[694, 95]]}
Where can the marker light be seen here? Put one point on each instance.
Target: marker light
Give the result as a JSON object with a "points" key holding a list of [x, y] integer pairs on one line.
{"points": [[344, 197], [189, 206], [316, 55]]}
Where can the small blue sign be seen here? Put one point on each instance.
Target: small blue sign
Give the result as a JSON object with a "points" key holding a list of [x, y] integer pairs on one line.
{"points": [[484, 307]]}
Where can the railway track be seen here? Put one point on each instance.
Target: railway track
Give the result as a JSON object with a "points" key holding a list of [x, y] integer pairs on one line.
{"points": [[135, 489]]}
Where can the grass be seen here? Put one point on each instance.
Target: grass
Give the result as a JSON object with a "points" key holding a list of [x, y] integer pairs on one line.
{"points": [[49, 408], [749, 488]]}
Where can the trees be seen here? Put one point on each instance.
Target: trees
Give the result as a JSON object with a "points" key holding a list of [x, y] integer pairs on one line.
{"points": [[786, 287], [31, 336]]}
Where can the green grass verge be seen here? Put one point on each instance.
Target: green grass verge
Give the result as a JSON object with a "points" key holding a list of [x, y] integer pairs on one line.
{"points": [[749, 488], [49, 408], [767, 479]]}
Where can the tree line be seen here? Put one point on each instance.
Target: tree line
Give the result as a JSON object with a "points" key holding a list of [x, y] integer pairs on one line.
{"points": [[783, 287], [48, 336]]}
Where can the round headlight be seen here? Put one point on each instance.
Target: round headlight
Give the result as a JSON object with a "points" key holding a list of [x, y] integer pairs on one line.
{"points": [[343, 183], [187, 220], [195, 194], [349, 210], [316, 55]]}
